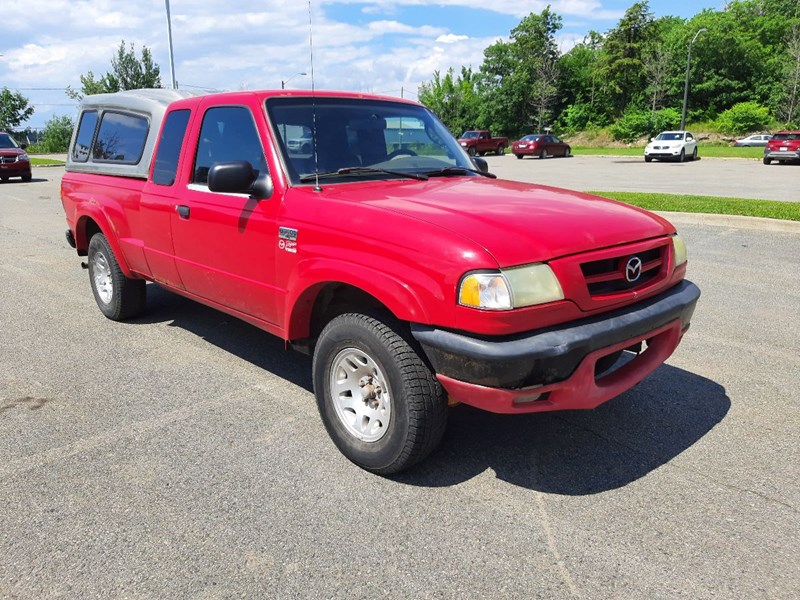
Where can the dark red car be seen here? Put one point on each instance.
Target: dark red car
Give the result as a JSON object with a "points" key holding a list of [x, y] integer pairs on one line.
{"points": [[14, 161], [783, 147], [541, 145]]}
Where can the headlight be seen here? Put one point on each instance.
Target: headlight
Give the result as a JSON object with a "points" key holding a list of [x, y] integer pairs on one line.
{"points": [[679, 249], [510, 288], [23, 156]]}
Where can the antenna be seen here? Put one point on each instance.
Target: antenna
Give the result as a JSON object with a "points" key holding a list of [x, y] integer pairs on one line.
{"points": [[313, 104]]}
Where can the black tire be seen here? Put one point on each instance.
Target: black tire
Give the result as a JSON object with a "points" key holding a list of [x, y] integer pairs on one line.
{"points": [[501, 150], [120, 297], [682, 157], [471, 151], [544, 154], [27, 178], [568, 152], [767, 161], [518, 156], [647, 159], [417, 407], [694, 154]]}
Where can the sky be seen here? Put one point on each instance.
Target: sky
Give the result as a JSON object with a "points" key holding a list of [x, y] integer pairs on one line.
{"points": [[387, 47]]}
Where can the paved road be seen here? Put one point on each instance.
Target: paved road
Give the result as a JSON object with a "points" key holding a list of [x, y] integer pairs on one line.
{"points": [[181, 455], [735, 178]]}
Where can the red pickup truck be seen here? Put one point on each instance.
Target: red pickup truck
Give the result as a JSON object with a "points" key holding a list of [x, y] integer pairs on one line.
{"points": [[481, 141], [415, 278]]}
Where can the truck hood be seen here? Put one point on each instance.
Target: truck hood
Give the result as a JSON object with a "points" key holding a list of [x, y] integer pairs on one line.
{"points": [[517, 223]]}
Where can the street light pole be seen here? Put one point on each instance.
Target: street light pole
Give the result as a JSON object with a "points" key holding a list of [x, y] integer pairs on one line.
{"points": [[686, 84], [171, 59], [283, 83]]}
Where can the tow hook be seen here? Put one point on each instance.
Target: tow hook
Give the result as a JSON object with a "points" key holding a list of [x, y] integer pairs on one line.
{"points": [[370, 392]]}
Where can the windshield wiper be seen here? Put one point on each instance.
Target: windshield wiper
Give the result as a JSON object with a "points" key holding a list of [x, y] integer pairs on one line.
{"points": [[359, 170], [450, 171]]}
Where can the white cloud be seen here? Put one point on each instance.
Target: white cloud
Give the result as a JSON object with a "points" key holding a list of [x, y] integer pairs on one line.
{"points": [[451, 38]]}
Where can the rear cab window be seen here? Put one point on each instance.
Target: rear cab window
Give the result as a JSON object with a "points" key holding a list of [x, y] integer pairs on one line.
{"points": [[85, 135], [169, 147]]}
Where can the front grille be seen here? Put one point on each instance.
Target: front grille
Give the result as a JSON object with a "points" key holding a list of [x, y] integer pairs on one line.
{"points": [[607, 276], [8, 159]]}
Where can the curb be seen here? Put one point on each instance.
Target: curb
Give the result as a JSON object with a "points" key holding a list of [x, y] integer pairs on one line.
{"points": [[732, 221]]}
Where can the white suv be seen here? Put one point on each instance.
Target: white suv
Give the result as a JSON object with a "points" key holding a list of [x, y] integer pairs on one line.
{"points": [[671, 145]]}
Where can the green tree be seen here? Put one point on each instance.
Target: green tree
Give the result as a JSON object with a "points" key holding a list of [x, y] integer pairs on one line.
{"points": [[56, 135], [453, 98], [14, 109], [624, 50], [127, 73]]}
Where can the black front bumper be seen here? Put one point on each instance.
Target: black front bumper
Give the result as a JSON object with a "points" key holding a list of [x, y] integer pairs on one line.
{"points": [[552, 354]]}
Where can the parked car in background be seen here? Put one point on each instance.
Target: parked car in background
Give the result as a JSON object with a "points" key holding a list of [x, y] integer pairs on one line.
{"points": [[783, 147], [14, 161], [540, 145], [481, 142], [758, 139], [671, 145]]}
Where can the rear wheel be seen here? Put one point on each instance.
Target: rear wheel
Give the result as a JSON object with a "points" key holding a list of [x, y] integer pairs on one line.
{"points": [[117, 296], [544, 154], [767, 161], [518, 156], [381, 404], [501, 150], [471, 151]]}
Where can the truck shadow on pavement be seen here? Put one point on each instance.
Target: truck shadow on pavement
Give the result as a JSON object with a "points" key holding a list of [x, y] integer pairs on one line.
{"points": [[576, 453], [569, 452]]}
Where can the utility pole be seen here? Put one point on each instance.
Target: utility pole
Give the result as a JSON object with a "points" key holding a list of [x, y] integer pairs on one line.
{"points": [[171, 58], [686, 84]]}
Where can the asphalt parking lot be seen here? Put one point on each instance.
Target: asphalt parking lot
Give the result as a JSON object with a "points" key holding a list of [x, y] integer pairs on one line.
{"points": [[180, 455]]}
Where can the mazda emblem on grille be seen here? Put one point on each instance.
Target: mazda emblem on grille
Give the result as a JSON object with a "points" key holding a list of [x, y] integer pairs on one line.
{"points": [[633, 270]]}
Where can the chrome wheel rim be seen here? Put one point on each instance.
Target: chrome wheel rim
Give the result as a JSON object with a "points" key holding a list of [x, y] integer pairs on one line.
{"points": [[361, 395], [101, 273]]}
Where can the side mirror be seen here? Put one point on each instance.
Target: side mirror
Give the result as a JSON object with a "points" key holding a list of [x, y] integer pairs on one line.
{"points": [[481, 164], [23, 146], [239, 177], [652, 139]]}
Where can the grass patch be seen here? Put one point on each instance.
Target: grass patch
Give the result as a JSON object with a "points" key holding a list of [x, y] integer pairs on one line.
{"points": [[769, 209], [703, 150], [38, 162]]}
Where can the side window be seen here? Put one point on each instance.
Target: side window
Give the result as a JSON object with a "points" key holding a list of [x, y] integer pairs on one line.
{"points": [[83, 141], [121, 138], [169, 147], [228, 133]]}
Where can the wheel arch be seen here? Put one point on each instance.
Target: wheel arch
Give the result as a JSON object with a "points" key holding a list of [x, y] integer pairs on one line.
{"points": [[317, 302], [88, 225]]}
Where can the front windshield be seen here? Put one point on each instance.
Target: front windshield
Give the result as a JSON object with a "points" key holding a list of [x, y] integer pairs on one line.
{"points": [[530, 138], [669, 136], [469, 135], [359, 134], [6, 141]]}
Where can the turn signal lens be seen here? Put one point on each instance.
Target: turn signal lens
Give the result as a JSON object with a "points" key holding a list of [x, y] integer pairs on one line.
{"points": [[679, 248], [485, 290]]}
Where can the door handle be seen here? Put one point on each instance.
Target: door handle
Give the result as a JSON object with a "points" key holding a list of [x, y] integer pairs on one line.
{"points": [[183, 211]]}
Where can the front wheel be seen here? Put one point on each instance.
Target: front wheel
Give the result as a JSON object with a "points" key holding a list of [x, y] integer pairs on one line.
{"points": [[694, 154], [767, 161], [567, 152], [682, 157], [380, 403], [647, 159], [117, 296]]}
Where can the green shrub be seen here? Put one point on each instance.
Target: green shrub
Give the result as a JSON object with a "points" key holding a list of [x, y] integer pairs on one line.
{"points": [[743, 118], [55, 137], [636, 123]]}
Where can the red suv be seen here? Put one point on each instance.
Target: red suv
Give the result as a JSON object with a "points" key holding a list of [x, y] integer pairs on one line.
{"points": [[14, 161], [783, 147]]}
